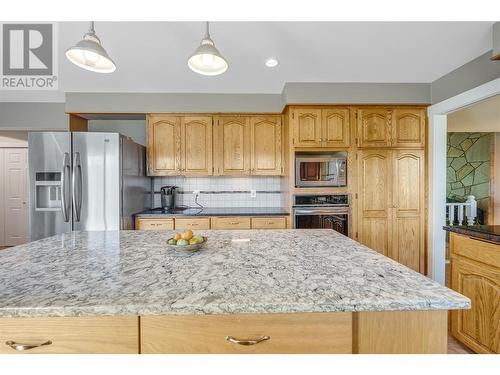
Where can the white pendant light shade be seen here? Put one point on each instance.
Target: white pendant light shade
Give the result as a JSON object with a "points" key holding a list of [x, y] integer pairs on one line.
{"points": [[89, 54], [207, 60]]}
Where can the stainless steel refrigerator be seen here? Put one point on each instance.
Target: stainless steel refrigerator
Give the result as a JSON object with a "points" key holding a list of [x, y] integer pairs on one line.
{"points": [[85, 181]]}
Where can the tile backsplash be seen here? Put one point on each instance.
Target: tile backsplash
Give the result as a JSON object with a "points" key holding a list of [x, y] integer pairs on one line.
{"points": [[223, 191]]}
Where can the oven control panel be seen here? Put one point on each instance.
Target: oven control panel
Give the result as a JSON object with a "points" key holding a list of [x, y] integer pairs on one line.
{"points": [[321, 200]]}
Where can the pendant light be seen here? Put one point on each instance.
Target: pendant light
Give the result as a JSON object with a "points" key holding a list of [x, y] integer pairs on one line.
{"points": [[207, 60], [89, 54]]}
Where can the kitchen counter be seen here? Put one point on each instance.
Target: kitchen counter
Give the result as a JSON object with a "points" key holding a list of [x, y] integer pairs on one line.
{"points": [[276, 271], [485, 232], [216, 211]]}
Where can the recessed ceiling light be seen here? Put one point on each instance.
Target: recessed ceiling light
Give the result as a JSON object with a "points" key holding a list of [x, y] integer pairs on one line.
{"points": [[271, 63]]}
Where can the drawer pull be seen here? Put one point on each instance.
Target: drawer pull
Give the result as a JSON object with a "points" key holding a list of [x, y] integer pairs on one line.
{"points": [[234, 222], [18, 346], [247, 342]]}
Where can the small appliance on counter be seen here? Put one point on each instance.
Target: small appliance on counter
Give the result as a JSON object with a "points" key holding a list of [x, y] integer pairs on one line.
{"points": [[321, 170], [168, 197], [322, 211]]}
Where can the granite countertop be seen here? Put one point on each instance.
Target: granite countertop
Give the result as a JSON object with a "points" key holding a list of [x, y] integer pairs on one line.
{"points": [[485, 232], [216, 211], [276, 271]]}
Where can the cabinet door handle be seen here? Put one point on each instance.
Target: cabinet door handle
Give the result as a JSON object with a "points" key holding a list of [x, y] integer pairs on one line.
{"points": [[247, 341], [18, 346]]}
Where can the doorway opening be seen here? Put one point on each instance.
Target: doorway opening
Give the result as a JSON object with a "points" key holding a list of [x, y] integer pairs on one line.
{"points": [[481, 181]]}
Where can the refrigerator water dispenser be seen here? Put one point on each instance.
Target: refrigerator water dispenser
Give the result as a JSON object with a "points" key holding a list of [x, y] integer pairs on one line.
{"points": [[48, 191]]}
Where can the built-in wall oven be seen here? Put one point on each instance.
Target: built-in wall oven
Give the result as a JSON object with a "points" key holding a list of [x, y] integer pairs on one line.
{"points": [[322, 211], [321, 170]]}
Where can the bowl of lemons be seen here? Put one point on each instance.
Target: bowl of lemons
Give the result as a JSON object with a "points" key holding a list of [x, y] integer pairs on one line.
{"points": [[186, 241]]}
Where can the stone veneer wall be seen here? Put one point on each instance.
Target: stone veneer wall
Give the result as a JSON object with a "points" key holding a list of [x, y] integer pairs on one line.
{"points": [[468, 171]]}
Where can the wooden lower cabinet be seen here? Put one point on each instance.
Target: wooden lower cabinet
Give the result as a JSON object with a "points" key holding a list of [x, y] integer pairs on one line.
{"points": [[400, 332], [154, 224], [269, 222], [387, 332], [231, 222], [71, 335], [220, 222], [475, 273], [286, 333], [195, 223]]}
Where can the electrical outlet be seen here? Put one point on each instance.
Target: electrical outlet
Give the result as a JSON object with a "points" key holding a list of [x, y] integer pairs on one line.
{"points": [[196, 192], [253, 193]]}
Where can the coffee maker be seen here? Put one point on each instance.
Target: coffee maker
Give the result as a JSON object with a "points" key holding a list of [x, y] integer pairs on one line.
{"points": [[168, 197]]}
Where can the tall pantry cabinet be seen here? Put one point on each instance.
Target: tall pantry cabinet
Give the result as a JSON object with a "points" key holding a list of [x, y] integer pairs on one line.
{"points": [[391, 182]]}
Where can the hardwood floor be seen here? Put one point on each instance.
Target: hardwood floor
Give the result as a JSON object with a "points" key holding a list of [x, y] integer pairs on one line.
{"points": [[4, 247], [456, 347]]}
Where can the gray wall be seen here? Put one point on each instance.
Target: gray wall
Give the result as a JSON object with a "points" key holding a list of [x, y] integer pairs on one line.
{"points": [[171, 102], [135, 129], [468, 76], [357, 93], [33, 116], [293, 93]]}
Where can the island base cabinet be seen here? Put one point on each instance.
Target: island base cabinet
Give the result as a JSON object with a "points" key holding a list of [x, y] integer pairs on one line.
{"points": [[70, 335], [401, 332], [248, 334]]}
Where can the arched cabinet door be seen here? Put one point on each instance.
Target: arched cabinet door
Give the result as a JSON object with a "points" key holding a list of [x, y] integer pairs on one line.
{"points": [[307, 127], [374, 199], [232, 146], [265, 145], [478, 327], [408, 209], [374, 127], [196, 146], [163, 145], [336, 127], [408, 127]]}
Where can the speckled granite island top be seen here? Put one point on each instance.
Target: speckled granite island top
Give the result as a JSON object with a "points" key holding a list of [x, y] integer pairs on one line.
{"points": [[131, 272]]}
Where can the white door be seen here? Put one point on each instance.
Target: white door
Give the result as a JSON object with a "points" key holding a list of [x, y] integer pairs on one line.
{"points": [[15, 200], [2, 203]]}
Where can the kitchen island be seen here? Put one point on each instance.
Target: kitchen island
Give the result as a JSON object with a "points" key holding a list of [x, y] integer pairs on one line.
{"points": [[259, 291]]}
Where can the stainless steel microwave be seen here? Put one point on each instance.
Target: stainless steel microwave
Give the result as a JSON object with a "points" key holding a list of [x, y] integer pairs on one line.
{"points": [[320, 170]]}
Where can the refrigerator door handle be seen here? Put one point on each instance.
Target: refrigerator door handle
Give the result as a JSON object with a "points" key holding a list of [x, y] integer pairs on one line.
{"points": [[77, 185], [64, 204]]}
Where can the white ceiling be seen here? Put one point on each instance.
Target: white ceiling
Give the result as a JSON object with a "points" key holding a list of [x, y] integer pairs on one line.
{"points": [[151, 56]]}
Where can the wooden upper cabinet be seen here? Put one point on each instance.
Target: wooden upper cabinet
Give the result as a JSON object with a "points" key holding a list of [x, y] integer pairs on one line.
{"points": [[179, 145], [163, 145], [335, 127], [307, 127], [374, 194], [266, 145], [408, 127], [321, 127], [408, 206], [196, 146], [232, 145], [373, 127]]}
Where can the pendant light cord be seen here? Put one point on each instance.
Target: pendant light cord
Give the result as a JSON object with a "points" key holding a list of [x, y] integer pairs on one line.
{"points": [[207, 31], [91, 30]]}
